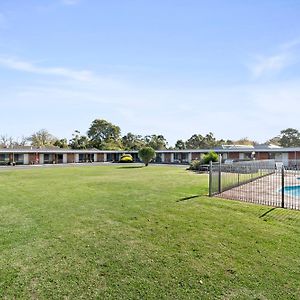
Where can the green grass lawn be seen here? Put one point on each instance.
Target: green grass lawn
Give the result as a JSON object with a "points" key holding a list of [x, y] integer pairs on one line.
{"points": [[112, 232]]}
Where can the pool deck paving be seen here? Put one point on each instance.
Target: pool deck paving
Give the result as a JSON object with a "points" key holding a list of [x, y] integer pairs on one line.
{"points": [[267, 191]]}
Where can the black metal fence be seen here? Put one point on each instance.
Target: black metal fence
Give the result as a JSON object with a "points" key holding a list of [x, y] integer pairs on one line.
{"points": [[263, 182]]}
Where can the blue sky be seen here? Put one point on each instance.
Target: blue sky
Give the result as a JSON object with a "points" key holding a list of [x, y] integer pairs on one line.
{"points": [[168, 67]]}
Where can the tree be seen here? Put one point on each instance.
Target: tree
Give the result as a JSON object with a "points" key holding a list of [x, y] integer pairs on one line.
{"points": [[104, 135], [274, 141], [195, 142], [198, 141], [157, 142], [131, 141], [209, 140], [244, 141], [289, 137], [180, 144], [62, 143], [10, 142], [21, 142], [211, 156], [79, 141], [6, 141], [146, 154], [42, 138], [227, 142]]}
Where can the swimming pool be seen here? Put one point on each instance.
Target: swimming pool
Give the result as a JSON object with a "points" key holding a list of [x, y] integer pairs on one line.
{"points": [[293, 190]]}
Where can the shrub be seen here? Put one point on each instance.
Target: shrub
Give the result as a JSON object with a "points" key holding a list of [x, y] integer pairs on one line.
{"points": [[126, 158], [146, 154], [195, 164], [211, 156]]}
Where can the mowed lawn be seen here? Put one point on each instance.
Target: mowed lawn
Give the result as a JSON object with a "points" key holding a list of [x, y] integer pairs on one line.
{"points": [[114, 232]]}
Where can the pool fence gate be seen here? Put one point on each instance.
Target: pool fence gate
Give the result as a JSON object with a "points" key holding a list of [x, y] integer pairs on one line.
{"points": [[266, 182]]}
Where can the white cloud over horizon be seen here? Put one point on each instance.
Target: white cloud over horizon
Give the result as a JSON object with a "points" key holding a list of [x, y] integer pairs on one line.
{"points": [[150, 67], [285, 56], [26, 66], [253, 109], [265, 65]]}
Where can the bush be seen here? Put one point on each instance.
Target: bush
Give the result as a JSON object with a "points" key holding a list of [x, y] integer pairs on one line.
{"points": [[211, 156], [146, 154], [126, 158], [195, 164]]}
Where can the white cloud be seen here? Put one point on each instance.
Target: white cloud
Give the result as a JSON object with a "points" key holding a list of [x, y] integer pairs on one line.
{"points": [[258, 110], [270, 64], [273, 64], [290, 44], [29, 67], [255, 110]]}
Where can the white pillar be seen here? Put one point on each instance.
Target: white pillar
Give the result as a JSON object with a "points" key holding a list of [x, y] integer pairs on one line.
{"points": [[241, 156], [285, 159], [162, 157], [172, 157], [104, 157], [95, 157], [65, 158], [26, 159], [278, 156], [189, 157], [76, 157], [41, 158]]}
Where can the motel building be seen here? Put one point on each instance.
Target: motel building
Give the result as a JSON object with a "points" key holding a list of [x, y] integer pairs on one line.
{"points": [[39, 156]]}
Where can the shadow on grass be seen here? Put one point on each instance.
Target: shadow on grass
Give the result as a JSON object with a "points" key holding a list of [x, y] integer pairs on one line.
{"points": [[130, 167], [188, 198], [267, 212], [281, 214]]}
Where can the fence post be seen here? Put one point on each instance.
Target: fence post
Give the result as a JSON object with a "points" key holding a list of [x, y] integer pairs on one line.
{"points": [[220, 176], [282, 186], [210, 179]]}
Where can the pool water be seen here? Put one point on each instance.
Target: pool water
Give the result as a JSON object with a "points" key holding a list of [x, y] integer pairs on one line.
{"points": [[292, 190]]}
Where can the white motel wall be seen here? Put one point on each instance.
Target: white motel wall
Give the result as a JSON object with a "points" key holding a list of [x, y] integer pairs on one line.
{"points": [[27, 156]]}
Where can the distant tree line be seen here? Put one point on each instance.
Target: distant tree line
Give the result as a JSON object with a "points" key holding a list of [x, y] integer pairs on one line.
{"points": [[104, 135]]}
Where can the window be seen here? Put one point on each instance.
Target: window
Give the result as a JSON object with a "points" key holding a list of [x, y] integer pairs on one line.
{"points": [[19, 158], [272, 155], [184, 157], [4, 158], [46, 158], [59, 158], [158, 158]]}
